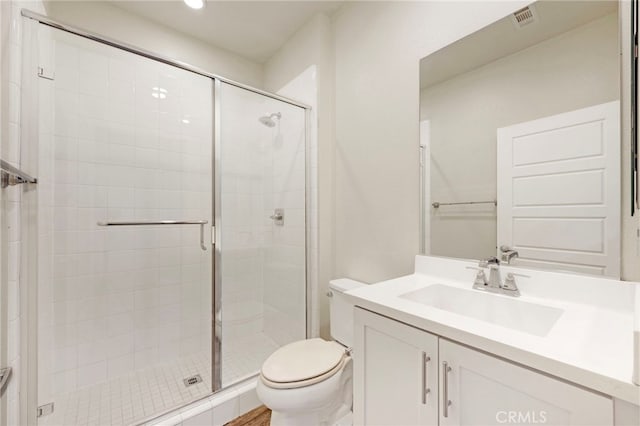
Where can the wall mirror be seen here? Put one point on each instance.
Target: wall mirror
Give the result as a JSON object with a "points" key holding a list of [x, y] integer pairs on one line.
{"points": [[523, 144]]}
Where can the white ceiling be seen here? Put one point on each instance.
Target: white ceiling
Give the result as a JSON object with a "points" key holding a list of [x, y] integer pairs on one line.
{"points": [[502, 38], [252, 29]]}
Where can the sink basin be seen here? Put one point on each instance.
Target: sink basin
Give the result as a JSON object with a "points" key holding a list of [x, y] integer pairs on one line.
{"points": [[511, 313]]}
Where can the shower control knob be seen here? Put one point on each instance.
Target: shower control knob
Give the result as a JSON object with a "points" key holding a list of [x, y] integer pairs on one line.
{"points": [[278, 216]]}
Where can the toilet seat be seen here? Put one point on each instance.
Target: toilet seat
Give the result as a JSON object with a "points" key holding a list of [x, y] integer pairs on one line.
{"points": [[303, 363]]}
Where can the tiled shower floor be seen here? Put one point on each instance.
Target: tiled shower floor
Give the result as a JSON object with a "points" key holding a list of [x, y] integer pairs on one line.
{"points": [[144, 393]]}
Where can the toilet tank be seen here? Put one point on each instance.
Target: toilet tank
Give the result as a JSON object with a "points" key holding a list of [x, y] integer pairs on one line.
{"points": [[341, 310]]}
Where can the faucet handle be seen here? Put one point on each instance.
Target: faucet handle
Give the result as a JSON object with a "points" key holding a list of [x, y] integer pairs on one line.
{"points": [[512, 275], [508, 253], [510, 281], [481, 278]]}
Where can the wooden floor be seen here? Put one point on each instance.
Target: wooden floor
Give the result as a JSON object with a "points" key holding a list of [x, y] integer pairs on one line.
{"points": [[260, 416]]}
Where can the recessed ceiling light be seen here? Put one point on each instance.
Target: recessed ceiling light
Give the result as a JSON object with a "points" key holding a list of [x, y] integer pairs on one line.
{"points": [[194, 4]]}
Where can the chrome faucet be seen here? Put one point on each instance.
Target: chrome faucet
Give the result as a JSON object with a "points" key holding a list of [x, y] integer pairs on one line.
{"points": [[508, 254], [493, 263], [494, 284]]}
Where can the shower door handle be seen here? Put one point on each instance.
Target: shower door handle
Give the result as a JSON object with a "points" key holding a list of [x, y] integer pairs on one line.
{"points": [[202, 223], [202, 246]]}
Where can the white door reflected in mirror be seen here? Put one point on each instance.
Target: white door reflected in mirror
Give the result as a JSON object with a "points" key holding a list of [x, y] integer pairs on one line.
{"points": [[559, 190], [562, 207]]}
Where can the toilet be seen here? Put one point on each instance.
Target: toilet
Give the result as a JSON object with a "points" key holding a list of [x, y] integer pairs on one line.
{"points": [[309, 382]]}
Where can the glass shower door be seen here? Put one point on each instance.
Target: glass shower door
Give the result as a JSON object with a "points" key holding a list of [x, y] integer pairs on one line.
{"points": [[125, 199], [260, 221]]}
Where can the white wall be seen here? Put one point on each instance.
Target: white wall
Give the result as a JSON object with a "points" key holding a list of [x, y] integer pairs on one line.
{"points": [[571, 71], [378, 47], [303, 69], [121, 25]]}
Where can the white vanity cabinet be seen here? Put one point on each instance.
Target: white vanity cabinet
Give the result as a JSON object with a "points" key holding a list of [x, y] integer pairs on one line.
{"points": [[390, 377], [485, 390], [395, 373]]}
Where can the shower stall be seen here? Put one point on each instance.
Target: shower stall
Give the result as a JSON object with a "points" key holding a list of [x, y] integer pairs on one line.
{"points": [[171, 227]]}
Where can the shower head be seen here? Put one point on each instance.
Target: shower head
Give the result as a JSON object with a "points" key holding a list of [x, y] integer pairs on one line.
{"points": [[268, 120]]}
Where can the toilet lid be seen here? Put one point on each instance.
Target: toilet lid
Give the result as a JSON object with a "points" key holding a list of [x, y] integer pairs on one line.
{"points": [[302, 360]]}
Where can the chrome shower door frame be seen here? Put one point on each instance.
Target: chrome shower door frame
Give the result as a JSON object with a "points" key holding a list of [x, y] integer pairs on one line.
{"points": [[216, 303], [216, 244]]}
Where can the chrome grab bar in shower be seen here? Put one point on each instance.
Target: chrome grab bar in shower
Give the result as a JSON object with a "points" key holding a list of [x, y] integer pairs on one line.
{"points": [[202, 223]]}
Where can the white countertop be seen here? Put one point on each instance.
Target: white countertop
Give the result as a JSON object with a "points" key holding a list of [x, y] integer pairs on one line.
{"points": [[591, 344]]}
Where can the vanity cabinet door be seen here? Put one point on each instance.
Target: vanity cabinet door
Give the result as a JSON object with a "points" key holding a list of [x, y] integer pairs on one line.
{"points": [[484, 390], [395, 373]]}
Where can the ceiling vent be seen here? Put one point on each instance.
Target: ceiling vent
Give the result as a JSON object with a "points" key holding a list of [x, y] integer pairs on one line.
{"points": [[525, 16]]}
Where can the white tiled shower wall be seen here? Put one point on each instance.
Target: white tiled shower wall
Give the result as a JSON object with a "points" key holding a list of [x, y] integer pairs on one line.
{"points": [[284, 253], [243, 146], [11, 45], [263, 264], [285, 269], [121, 138]]}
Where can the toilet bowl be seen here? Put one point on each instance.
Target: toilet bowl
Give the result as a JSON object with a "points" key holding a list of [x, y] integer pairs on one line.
{"points": [[313, 396], [310, 382]]}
